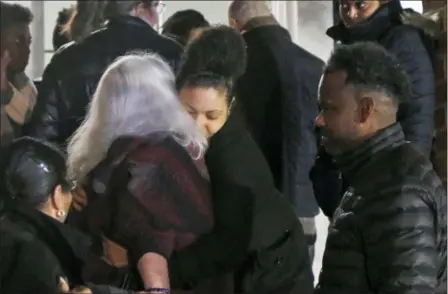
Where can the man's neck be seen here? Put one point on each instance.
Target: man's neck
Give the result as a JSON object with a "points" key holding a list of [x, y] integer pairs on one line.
{"points": [[259, 22]]}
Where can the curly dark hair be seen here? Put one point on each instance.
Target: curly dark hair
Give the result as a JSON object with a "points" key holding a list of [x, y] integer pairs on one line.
{"points": [[215, 59], [14, 14], [180, 24], [370, 67]]}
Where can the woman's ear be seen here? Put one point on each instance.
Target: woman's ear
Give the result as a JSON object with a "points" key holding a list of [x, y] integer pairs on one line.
{"points": [[57, 198], [60, 202]]}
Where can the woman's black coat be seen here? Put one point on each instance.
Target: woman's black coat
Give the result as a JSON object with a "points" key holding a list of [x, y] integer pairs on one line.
{"points": [[36, 251], [256, 233]]}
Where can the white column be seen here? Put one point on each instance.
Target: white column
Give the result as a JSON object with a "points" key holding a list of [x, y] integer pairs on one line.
{"points": [[314, 18], [307, 22], [37, 60]]}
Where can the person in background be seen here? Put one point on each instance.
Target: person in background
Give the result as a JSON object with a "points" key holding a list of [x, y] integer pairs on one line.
{"points": [[257, 236], [385, 23], [389, 232], [72, 75], [184, 25], [18, 93], [38, 252], [60, 37], [139, 156], [278, 95], [85, 19]]}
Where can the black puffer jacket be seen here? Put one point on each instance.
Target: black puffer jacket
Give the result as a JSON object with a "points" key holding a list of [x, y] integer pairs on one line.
{"points": [[416, 53], [71, 77], [388, 235]]}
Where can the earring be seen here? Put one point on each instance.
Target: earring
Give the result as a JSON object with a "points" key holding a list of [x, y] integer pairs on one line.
{"points": [[231, 105], [60, 213]]}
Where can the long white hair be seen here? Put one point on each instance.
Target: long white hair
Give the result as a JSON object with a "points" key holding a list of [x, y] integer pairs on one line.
{"points": [[135, 96]]}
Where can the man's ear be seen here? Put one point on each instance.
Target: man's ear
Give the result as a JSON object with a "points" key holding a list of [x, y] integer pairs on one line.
{"points": [[365, 108]]}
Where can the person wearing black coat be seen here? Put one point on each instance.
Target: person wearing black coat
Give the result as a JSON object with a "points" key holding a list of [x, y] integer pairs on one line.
{"points": [[278, 96], [257, 236], [385, 22], [39, 254], [389, 25], [389, 231], [72, 75]]}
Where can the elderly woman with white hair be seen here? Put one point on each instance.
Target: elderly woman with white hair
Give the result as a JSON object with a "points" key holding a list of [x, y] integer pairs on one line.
{"points": [[139, 156]]}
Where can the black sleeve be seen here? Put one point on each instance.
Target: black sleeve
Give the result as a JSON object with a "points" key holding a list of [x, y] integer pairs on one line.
{"points": [[32, 268], [254, 90], [222, 250], [400, 238], [104, 289], [46, 121], [299, 111], [416, 114]]}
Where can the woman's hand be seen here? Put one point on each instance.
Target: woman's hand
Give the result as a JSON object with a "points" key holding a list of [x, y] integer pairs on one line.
{"points": [[81, 290], [4, 62], [79, 199], [63, 285]]}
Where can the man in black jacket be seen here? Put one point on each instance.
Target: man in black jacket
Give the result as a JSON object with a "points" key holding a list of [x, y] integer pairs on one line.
{"points": [[71, 77], [388, 234], [386, 23], [278, 94]]}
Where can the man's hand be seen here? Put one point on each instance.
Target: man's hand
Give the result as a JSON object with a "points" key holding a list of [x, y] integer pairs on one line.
{"points": [[4, 62], [79, 199]]}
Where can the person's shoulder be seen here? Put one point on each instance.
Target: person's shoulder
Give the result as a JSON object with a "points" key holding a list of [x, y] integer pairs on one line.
{"points": [[38, 265], [404, 171], [156, 148], [401, 35]]}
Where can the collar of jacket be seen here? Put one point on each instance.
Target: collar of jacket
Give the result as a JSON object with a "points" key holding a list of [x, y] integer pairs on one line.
{"points": [[69, 245], [259, 22], [371, 29], [129, 21], [351, 162], [228, 134]]}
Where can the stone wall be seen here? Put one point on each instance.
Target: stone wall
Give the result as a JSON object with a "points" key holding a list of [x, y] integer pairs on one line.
{"points": [[440, 147]]}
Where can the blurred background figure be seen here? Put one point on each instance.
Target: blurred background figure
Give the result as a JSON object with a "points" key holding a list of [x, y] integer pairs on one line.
{"points": [[278, 95], [18, 93], [184, 25], [72, 75], [86, 17], [60, 37]]}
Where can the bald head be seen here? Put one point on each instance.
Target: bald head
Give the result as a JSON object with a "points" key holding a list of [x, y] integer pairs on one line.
{"points": [[243, 11]]}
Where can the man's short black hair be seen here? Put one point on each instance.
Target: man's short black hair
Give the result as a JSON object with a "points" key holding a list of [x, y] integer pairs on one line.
{"points": [[14, 14], [181, 23], [371, 68]]}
